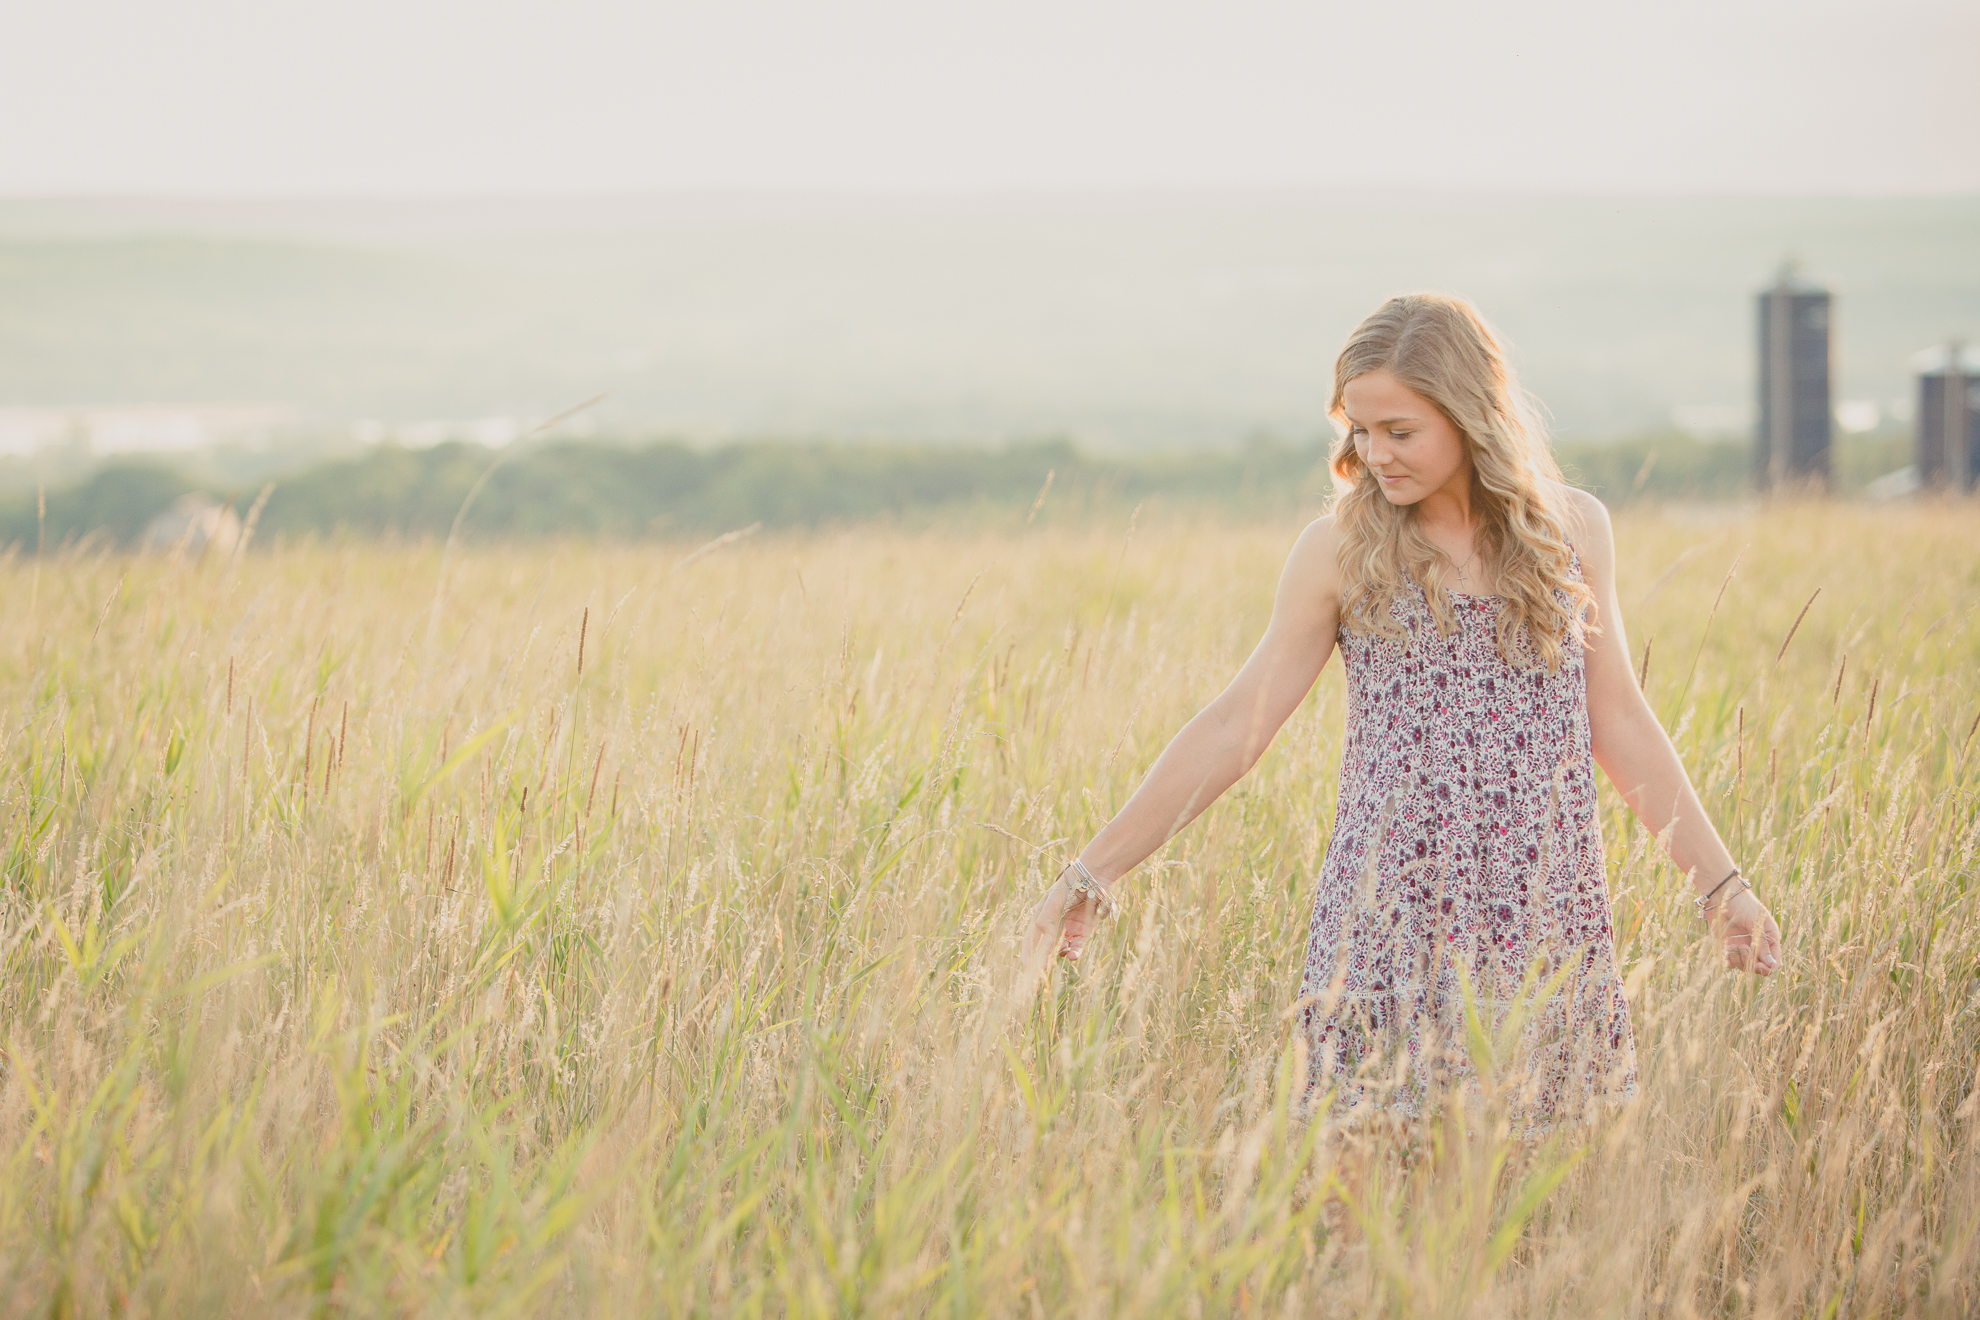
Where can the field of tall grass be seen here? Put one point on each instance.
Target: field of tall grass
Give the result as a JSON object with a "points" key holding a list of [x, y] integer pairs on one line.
{"points": [[633, 930]]}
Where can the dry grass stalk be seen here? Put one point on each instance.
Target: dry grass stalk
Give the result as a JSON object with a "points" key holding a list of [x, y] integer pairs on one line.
{"points": [[734, 1036]]}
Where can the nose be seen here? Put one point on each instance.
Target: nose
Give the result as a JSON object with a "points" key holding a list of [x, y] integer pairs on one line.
{"points": [[1376, 453]]}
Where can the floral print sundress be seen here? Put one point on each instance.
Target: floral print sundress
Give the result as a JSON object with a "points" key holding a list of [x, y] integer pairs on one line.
{"points": [[1461, 936]]}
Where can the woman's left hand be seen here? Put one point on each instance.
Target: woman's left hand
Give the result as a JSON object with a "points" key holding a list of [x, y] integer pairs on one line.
{"points": [[1753, 940]]}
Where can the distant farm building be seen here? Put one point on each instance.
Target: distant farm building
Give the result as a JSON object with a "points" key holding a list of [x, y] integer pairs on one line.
{"points": [[1792, 445], [1949, 416]]}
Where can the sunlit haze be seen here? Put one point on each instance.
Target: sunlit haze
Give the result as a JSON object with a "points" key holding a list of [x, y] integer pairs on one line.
{"points": [[1144, 224], [365, 97]]}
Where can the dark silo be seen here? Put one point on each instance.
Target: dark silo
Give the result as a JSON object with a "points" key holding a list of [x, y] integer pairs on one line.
{"points": [[1792, 448], [1949, 417]]}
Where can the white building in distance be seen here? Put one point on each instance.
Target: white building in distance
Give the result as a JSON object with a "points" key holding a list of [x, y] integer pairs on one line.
{"points": [[145, 428]]}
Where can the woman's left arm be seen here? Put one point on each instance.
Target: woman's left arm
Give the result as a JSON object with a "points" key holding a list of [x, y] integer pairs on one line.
{"points": [[1636, 754]]}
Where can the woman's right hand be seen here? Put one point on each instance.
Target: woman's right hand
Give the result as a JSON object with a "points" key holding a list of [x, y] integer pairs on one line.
{"points": [[1214, 750], [1057, 928]]}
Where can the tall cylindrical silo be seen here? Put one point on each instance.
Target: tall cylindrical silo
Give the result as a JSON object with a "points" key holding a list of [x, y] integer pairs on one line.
{"points": [[1791, 448], [1949, 416]]}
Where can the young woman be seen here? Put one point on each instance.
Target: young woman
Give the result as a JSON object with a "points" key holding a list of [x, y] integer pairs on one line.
{"points": [[1472, 596]]}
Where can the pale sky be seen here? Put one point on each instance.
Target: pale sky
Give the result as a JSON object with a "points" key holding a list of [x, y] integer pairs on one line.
{"points": [[443, 97]]}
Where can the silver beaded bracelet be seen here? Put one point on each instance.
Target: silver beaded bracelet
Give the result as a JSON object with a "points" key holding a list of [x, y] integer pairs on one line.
{"points": [[1088, 886]]}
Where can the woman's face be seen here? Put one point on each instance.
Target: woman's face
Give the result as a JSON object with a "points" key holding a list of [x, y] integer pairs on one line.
{"points": [[1411, 448]]}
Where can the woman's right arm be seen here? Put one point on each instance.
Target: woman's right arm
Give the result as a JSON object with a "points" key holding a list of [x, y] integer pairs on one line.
{"points": [[1215, 749]]}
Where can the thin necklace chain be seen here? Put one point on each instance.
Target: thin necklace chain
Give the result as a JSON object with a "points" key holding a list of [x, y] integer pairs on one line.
{"points": [[1458, 571]]}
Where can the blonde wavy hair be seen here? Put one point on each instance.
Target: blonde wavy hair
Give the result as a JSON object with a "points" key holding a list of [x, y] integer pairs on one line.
{"points": [[1441, 348]]}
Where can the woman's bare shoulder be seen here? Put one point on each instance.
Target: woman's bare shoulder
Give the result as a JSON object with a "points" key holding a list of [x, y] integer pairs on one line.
{"points": [[1315, 562], [1320, 542], [1585, 519], [1324, 530], [1580, 510]]}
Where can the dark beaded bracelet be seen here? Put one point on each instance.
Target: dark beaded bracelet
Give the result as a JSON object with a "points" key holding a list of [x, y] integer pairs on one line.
{"points": [[1704, 901]]}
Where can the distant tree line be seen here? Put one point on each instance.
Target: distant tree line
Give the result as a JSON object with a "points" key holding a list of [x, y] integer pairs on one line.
{"points": [[670, 489], [661, 489]]}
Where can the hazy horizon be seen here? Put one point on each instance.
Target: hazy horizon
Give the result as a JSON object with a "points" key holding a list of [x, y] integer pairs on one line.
{"points": [[1134, 224], [1124, 320]]}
